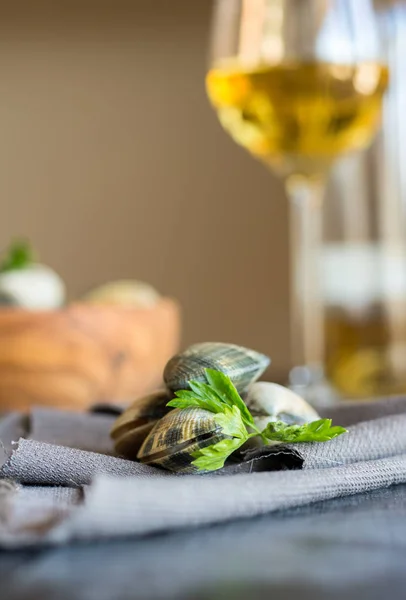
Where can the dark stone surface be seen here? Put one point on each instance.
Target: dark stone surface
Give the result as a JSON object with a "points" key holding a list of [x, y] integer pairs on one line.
{"points": [[350, 548]]}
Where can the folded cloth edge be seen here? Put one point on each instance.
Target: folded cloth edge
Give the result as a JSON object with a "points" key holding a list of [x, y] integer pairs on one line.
{"points": [[121, 507]]}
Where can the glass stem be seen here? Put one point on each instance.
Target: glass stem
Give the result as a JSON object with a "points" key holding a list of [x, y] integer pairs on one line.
{"points": [[306, 309]]}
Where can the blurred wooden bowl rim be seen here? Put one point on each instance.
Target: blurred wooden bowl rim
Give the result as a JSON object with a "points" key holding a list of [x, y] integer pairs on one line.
{"points": [[84, 354]]}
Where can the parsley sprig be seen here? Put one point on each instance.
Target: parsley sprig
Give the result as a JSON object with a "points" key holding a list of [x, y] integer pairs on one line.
{"points": [[18, 255], [220, 397], [317, 431]]}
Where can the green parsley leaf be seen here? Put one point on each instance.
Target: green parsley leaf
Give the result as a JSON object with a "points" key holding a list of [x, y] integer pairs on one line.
{"points": [[186, 395], [317, 431], [225, 388], [205, 391], [18, 256], [213, 457], [231, 423], [181, 402], [186, 398]]}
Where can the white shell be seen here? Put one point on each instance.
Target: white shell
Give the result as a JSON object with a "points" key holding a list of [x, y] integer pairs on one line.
{"points": [[124, 292], [36, 287], [272, 402]]}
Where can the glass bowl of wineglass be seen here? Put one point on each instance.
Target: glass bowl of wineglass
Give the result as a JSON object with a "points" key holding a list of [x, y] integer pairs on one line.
{"points": [[299, 83]]}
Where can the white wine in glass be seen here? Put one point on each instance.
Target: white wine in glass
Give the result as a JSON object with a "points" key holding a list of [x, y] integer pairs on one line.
{"points": [[299, 83]]}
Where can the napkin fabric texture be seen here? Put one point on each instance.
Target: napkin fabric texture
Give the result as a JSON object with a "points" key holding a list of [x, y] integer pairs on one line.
{"points": [[60, 480]]}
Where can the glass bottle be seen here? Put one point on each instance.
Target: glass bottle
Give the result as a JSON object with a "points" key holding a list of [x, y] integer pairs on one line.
{"points": [[363, 260]]}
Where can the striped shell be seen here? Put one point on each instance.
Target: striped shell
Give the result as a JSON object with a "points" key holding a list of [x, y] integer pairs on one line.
{"points": [[177, 436], [272, 402], [135, 423], [242, 365]]}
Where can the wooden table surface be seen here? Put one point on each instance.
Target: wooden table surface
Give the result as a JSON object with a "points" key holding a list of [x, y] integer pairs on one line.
{"points": [[350, 548]]}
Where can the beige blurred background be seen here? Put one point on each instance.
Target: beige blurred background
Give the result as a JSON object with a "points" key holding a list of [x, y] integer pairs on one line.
{"points": [[114, 165]]}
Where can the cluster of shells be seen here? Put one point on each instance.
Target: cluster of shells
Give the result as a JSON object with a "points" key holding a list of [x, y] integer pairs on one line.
{"points": [[153, 433]]}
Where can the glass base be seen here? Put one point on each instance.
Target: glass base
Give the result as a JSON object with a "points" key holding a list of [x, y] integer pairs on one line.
{"points": [[309, 382]]}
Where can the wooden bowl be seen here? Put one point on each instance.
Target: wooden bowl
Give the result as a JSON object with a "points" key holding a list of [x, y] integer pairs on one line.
{"points": [[84, 354]]}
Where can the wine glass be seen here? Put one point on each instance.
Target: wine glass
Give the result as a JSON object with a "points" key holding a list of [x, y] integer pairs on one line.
{"points": [[299, 83]]}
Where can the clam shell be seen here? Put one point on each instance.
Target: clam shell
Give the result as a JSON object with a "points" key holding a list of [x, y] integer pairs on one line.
{"points": [[176, 436], [124, 292], [242, 365], [272, 402], [134, 424]]}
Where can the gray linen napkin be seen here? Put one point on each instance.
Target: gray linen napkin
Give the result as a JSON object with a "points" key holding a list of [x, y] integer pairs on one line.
{"points": [[85, 431], [349, 413], [129, 506], [366, 441], [126, 498], [41, 463], [38, 463]]}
